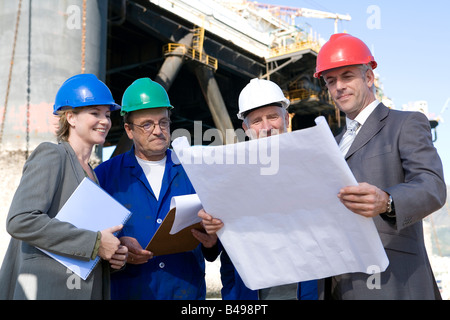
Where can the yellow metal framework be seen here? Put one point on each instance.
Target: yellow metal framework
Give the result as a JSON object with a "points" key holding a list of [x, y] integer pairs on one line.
{"points": [[301, 94], [295, 47], [198, 38], [195, 52]]}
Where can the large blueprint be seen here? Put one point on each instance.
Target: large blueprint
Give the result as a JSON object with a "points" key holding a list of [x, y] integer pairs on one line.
{"points": [[277, 197]]}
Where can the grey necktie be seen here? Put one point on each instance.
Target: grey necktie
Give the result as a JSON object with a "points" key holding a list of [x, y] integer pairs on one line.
{"points": [[349, 136]]}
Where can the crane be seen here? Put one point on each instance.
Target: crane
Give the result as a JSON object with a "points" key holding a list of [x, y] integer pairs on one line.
{"points": [[293, 12]]}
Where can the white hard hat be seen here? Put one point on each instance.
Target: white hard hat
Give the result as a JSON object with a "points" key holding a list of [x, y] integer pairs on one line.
{"points": [[258, 93]]}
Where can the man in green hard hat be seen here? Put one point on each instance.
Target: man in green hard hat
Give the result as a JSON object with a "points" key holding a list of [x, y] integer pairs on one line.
{"points": [[144, 180]]}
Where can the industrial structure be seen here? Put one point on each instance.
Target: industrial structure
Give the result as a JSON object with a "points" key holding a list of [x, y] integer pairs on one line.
{"points": [[202, 52], [205, 52]]}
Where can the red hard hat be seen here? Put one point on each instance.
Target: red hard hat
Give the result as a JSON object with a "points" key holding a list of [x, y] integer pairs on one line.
{"points": [[343, 50]]}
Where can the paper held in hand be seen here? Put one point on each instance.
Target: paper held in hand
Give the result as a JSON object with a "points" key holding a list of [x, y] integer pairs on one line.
{"points": [[277, 198], [89, 207]]}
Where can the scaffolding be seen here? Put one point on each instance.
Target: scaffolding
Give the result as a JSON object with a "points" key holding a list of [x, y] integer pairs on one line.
{"points": [[190, 53]]}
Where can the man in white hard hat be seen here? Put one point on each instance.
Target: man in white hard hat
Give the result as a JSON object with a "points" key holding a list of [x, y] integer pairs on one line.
{"points": [[263, 109]]}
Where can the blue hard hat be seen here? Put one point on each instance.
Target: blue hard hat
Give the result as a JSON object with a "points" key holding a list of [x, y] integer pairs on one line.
{"points": [[83, 90]]}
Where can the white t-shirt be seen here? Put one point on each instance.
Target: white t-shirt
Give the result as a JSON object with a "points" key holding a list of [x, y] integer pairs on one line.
{"points": [[154, 171]]}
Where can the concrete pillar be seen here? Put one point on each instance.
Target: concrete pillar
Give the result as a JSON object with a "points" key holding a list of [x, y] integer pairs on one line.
{"points": [[47, 52], [172, 65], [215, 102]]}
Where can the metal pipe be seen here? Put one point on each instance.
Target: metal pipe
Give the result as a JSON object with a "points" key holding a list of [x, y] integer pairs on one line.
{"points": [[215, 102], [172, 65]]}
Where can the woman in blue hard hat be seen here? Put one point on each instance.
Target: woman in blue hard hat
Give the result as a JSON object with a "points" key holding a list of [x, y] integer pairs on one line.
{"points": [[50, 176]]}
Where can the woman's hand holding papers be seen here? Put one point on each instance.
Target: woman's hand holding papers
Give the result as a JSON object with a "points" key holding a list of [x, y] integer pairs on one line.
{"points": [[109, 243], [110, 248]]}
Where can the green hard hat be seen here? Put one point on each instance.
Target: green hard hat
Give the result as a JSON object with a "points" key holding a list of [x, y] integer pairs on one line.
{"points": [[144, 94]]}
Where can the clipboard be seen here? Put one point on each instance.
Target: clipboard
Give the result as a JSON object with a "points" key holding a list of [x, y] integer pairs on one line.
{"points": [[163, 242]]}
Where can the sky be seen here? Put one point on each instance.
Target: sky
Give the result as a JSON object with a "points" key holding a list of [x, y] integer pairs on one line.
{"points": [[410, 41]]}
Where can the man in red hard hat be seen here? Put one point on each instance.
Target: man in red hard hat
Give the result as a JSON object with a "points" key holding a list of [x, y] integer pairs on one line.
{"points": [[400, 175]]}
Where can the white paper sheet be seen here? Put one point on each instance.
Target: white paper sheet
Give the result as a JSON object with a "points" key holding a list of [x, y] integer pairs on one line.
{"points": [[91, 208], [277, 197], [186, 213]]}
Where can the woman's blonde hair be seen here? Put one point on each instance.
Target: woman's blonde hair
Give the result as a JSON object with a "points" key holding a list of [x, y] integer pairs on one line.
{"points": [[63, 131]]}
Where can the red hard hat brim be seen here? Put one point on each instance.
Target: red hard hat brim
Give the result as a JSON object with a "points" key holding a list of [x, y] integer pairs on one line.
{"points": [[318, 74]]}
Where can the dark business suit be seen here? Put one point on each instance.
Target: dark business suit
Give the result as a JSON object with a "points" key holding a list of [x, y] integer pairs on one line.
{"points": [[50, 176], [394, 151]]}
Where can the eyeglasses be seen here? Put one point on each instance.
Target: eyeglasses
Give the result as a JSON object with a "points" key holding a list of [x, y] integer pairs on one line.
{"points": [[149, 126]]}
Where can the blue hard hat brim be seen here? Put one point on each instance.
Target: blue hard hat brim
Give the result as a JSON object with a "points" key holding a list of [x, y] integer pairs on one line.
{"points": [[112, 107]]}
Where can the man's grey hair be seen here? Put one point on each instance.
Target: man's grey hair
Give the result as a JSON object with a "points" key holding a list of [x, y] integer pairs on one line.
{"points": [[283, 114], [364, 68]]}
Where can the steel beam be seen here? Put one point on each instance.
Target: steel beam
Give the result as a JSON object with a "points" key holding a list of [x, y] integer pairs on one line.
{"points": [[215, 102]]}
